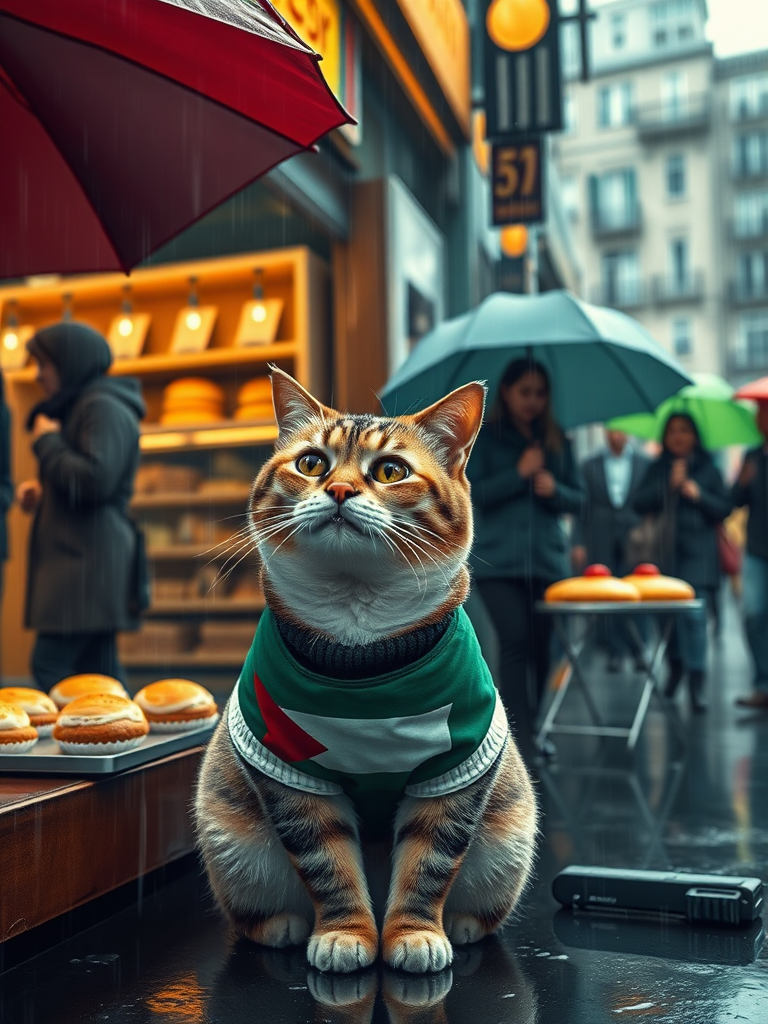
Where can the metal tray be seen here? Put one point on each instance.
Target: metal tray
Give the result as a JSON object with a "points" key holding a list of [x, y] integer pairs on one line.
{"points": [[46, 755]]}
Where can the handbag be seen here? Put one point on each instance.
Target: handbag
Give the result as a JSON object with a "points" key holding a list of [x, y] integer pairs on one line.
{"points": [[728, 552], [139, 594]]}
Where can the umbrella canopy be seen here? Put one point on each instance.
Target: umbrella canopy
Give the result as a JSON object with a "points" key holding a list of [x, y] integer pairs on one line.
{"points": [[756, 390], [601, 363], [123, 123], [709, 402]]}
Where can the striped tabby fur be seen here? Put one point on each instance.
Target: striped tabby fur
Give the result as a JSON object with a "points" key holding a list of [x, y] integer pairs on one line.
{"points": [[288, 866]]}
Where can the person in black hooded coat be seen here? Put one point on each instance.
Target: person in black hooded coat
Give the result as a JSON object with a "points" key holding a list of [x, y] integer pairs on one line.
{"points": [[83, 544]]}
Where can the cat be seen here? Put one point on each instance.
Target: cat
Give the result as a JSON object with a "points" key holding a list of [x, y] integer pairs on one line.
{"points": [[378, 718]]}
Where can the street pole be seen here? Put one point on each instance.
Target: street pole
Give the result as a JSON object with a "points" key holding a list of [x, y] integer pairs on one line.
{"points": [[532, 259]]}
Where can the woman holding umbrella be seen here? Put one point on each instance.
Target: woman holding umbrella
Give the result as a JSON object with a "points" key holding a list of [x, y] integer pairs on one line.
{"points": [[685, 485], [524, 478]]}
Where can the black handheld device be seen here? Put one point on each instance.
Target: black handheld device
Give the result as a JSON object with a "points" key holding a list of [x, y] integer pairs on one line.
{"points": [[703, 899]]}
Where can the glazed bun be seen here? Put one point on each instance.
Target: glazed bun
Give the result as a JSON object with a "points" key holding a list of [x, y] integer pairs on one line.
{"points": [[655, 587], [177, 705], [17, 734], [100, 723], [72, 687], [38, 705], [597, 584]]}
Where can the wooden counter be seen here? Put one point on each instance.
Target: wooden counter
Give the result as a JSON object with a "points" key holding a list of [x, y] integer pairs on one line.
{"points": [[65, 841]]}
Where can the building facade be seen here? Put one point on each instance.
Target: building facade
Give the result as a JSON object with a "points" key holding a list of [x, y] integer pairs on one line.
{"points": [[661, 166]]}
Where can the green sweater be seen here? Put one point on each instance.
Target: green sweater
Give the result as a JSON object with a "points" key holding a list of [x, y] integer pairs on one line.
{"points": [[518, 534], [428, 729]]}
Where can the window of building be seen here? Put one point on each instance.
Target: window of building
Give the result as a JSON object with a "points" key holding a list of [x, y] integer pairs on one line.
{"points": [[752, 340], [621, 278], [751, 214], [749, 96], [615, 105], [676, 176], [569, 113], [750, 155], [569, 192], [665, 10], [618, 31], [660, 37], [674, 95], [752, 274], [679, 265], [614, 199], [682, 336], [570, 50], [684, 32]]}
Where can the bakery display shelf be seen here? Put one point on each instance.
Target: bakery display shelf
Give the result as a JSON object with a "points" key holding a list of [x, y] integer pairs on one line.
{"points": [[227, 433], [190, 499], [186, 659], [46, 755], [169, 364], [206, 606]]}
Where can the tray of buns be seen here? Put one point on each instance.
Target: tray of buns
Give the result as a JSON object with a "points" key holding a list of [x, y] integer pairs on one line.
{"points": [[47, 756]]}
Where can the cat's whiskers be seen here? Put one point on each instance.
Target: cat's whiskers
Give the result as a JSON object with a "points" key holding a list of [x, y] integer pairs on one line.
{"points": [[415, 546]]}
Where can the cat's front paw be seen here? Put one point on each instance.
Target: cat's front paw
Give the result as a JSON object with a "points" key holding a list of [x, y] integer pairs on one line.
{"points": [[279, 931], [417, 951], [342, 951], [462, 929]]}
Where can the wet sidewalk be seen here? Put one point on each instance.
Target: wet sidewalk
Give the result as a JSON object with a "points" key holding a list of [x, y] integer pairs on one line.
{"points": [[166, 958]]}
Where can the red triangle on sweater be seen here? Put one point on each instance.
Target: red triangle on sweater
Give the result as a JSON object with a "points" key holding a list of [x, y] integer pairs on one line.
{"points": [[283, 737]]}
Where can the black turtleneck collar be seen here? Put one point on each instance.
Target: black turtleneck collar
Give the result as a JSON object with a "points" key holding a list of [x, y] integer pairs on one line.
{"points": [[328, 657]]}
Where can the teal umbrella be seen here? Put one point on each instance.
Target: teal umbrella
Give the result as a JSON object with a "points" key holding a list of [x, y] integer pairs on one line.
{"points": [[719, 418], [601, 363]]}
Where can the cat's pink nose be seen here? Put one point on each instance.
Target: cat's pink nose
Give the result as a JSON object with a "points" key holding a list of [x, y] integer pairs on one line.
{"points": [[339, 491]]}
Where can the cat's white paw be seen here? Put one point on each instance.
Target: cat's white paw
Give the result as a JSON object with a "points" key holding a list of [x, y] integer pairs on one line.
{"points": [[341, 951], [419, 951], [462, 929], [280, 931]]}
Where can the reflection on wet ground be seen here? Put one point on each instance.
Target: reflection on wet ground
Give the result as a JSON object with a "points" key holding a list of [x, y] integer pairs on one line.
{"points": [[167, 959]]}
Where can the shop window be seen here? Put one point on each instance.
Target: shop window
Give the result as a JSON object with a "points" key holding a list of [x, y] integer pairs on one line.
{"points": [[676, 176], [682, 338]]}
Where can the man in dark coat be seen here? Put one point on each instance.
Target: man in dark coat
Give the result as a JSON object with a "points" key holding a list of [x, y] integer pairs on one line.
{"points": [[83, 543], [600, 533]]}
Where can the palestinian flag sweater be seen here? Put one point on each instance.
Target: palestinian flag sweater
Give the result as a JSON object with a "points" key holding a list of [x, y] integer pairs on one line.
{"points": [[427, 729]]}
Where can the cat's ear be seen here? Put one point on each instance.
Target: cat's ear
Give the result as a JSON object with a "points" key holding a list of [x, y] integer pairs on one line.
{"points": [[453, 424], [294, 407]]}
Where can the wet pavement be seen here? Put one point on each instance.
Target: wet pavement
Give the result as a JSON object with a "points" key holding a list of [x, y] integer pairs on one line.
{"points": [[166, 958]]}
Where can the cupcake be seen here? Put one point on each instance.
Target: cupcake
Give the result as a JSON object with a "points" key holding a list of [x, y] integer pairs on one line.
{"points": [[40, 708], [100, 723], [72, 687], [17, 736], [177, 705]]}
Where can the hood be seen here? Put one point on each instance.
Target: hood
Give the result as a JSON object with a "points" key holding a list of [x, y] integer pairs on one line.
{"points": [[124, 389], [79, 353]]}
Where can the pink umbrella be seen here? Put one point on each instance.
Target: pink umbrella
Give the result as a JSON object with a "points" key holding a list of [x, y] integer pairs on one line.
{"points": [[124, 121]]}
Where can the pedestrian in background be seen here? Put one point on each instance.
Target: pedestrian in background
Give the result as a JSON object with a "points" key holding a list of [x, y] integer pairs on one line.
{"points": [[6, 484], [524, 479], [751, 490], [611, 479], [85, 436], [685, 485]]}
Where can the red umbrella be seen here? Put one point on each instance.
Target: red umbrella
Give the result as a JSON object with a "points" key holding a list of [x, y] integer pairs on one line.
{"points": [[124, 121], [757, 390]]}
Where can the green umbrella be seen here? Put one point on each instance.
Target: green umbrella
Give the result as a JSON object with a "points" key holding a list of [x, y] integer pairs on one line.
{"points": [[600, 362], [720, 419]]}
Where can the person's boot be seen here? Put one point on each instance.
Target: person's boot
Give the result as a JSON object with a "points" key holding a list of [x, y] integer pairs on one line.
{"points": [[673, 680], [696, 687]]}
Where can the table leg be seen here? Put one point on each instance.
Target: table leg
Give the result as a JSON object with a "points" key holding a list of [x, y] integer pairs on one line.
{"points": [[651, 685], [573, 653]]}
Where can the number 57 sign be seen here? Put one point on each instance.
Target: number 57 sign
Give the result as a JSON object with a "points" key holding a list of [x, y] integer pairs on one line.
{"points": [[518, 182]]}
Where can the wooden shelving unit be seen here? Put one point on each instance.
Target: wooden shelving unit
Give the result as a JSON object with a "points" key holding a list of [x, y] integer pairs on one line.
{"points": [[294, 275]]}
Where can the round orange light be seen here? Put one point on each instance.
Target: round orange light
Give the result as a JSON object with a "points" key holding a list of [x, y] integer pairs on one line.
{"points": [[517, 24], [514, 240]]}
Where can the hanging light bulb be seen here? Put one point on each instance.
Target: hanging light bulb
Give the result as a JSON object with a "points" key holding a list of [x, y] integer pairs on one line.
{"points": [[258, 310], [260, 317], [128, 329], [13, 338], [517, 24], [514, 240], [66, 313], [193, 320], [194, 323]]}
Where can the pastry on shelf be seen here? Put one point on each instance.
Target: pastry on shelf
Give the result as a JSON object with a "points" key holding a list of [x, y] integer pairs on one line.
{"points": [[100, 723], [73, 687], [597, 584], [38, 705], [17, 734], [254, 400], [191, 400], [177, 705]]}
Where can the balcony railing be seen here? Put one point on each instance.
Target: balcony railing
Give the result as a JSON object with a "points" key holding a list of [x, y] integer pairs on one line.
{"points": [[661, 121], [750, 111], [608, 223], [628, 295], [669, 289], [748, 293]]}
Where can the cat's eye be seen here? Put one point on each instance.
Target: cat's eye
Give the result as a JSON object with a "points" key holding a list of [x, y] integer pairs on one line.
{"points": [[312, 464], [390, 471]]}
